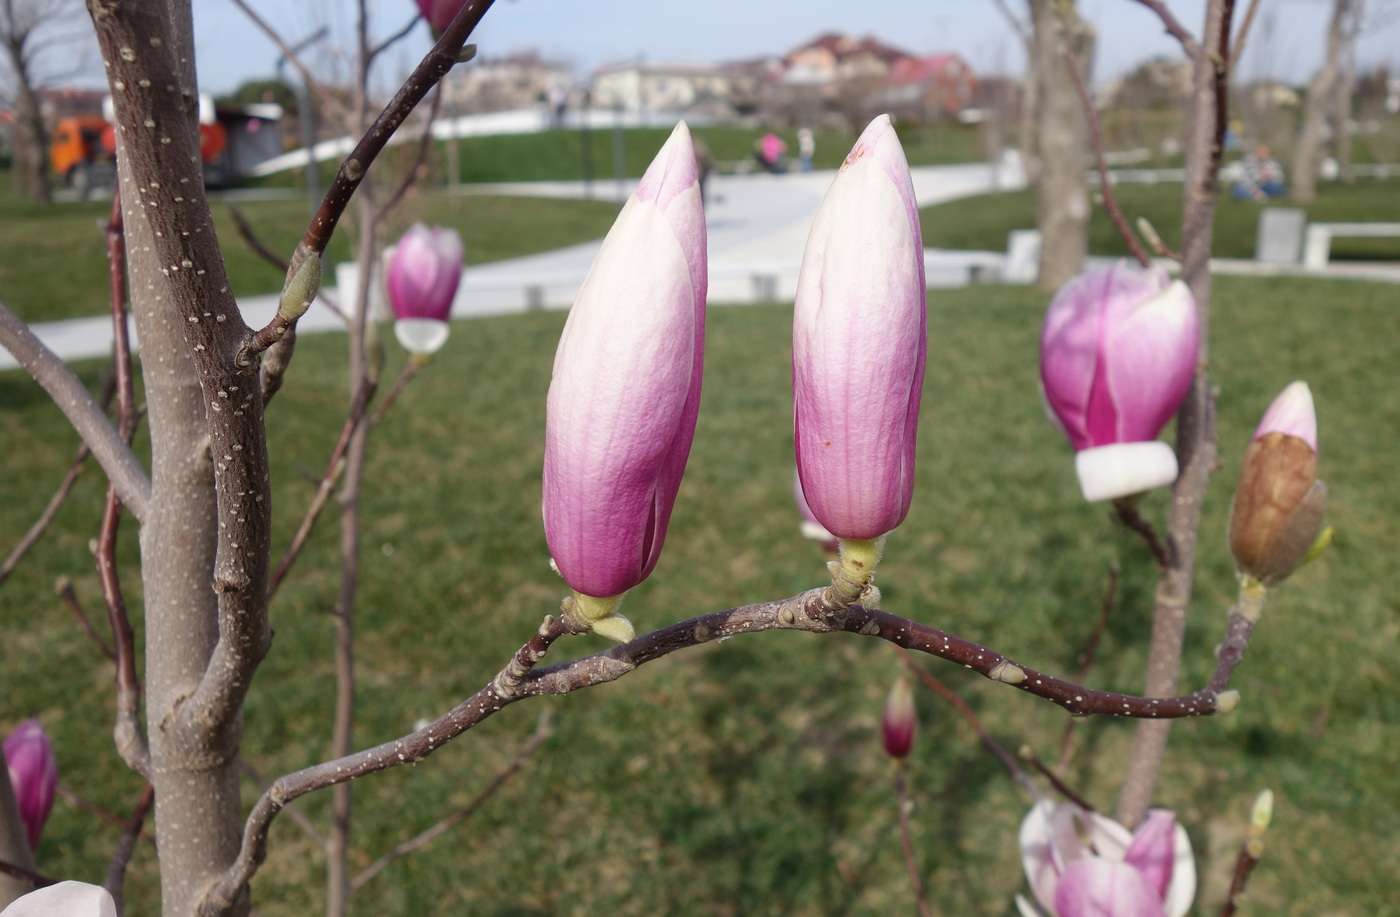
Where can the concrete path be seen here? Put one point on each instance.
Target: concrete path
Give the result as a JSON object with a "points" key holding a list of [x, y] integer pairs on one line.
{"points": [[758, 228]]}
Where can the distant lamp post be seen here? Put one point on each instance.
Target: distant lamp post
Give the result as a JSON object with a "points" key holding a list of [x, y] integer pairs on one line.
{"points": [[307, 117]]}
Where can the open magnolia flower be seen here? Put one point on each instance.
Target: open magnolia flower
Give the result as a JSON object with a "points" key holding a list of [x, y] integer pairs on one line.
{"points": [[1083, 864], [1117, 354], [66, 899]]}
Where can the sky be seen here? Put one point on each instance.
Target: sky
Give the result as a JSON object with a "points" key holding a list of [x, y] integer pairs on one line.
{"points": [[1286, 41]]}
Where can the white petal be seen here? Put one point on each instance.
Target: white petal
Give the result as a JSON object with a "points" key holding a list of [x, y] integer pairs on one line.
{"points": [[1124, 469], [66, 899]]}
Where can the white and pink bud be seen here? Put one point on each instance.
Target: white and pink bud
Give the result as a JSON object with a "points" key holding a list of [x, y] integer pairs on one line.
{"points": [[1117, 354], [422, 279], [623, 402], [33, 775], [859, 343]]}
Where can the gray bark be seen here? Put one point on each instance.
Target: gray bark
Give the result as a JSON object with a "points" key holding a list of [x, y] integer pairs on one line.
{"points": [[14, 846], [1307, 154], [1062, 193]]}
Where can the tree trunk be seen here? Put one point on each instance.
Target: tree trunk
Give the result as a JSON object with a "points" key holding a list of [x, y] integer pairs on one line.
{"points": [[31, 161], [1308, 153], [1062, 196]]}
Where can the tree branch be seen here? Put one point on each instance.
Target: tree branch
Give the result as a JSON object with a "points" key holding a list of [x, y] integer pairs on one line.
{"points": [[1110, 201], [73, 399], [813, 611], [126, 846], [1173, 27], [422, 839]]}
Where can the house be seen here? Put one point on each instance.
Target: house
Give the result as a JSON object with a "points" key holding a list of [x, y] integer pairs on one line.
{"points": [[672, 87], [928, 88], [510, 83]]}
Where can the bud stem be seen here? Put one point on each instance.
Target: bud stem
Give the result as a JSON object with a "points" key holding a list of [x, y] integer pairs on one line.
{"points": [[851, 575]]}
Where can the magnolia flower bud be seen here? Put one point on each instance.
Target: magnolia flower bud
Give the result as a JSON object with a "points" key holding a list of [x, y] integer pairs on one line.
{"points": [[1117, 354], [897, 724], [1279, 503], [440, 13], [34, 776], [422, 280], [859, 340], [622, 405]]}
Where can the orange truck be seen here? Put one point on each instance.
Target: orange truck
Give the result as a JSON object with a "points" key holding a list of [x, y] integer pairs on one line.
{"points": [[84, 150]]}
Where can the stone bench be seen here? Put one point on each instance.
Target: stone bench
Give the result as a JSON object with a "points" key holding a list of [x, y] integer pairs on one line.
{"points": [[1317, 246]]}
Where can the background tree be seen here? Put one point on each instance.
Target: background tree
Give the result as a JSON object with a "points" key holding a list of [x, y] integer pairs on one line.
{"points": [[1062, 191], [31, 33], [1323, 96]]}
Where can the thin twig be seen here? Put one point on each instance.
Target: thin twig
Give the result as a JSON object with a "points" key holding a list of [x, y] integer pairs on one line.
{"points": [[1060, 786], [126, 846], [63, 586], [1238, 48], [77, 801], [1007, 759], [1110, 201], [19, 872], [72, 398], [41, 525], [130, 741], [1086, 658], [250, 237], [425, 143], [326, 99], [409, 371], [911, 863], [542, 732], [811, 611], [293, 812], [1173, 26], [326, 486], [1126, 513], [392, 39]]}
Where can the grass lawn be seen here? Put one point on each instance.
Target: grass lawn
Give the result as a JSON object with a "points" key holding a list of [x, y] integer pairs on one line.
{"points": [[53, 261], [982, 223], [564, 155], [746, 777]]}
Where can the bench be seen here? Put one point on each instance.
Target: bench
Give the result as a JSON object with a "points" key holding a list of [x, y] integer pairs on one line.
{"points": [[1317, 246]]}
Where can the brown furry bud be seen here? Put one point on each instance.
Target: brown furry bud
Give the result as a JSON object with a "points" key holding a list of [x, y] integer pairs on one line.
{"points": [[1278, 509]]}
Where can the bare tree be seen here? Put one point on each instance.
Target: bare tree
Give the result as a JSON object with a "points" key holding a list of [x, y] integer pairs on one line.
{"points": [[1062, 191], [30, 30], [1322, 97]]}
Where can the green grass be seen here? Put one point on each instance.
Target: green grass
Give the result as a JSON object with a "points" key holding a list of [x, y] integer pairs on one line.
{"points": [[53, 261], [983, 223], [746, 777], [562, 155]]}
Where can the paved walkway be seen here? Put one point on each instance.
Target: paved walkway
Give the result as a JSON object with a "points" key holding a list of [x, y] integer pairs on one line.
{"points": [[758, 228]]}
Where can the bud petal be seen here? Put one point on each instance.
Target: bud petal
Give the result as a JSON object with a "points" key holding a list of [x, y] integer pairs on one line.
{"points": [[897, 724], [622, 405], [1279, 503], [65, 899], [33, 774], [422, 280], [1117, 354], [859, 342]]}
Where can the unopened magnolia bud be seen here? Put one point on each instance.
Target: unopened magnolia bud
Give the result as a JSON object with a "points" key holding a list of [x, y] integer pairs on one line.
{"points": [[897, 725], [301, 289], [1279, 503]]}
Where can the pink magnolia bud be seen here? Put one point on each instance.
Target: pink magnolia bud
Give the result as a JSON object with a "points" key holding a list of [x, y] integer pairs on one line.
{"points": [[440, 13], [897, 724], [422, 280], [1083, 864], [1117, 354], [622, 405], [33, 774], [809, 526], [859, 338], [1279, 503], [65, 899]]}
